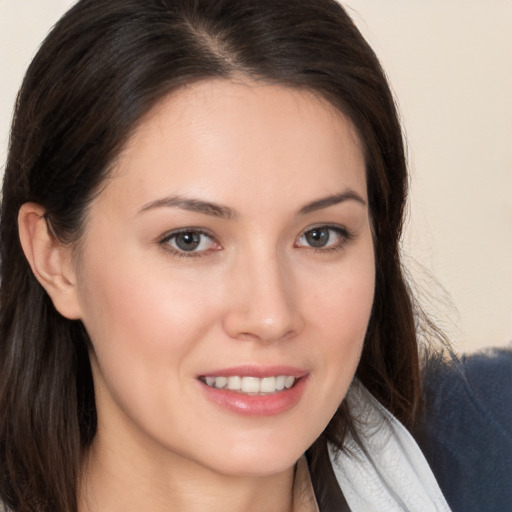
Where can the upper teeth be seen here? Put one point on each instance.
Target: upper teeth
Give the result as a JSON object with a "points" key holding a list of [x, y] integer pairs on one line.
{"points": [[252, 384]]}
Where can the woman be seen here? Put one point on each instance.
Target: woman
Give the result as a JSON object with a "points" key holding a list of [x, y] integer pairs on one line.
{"points": [[200, 223]]}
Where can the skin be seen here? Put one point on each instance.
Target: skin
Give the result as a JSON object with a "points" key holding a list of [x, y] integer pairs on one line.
{"points": [[255, 292]]}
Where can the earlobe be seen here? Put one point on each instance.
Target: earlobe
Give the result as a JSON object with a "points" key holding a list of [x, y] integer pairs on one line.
{"points": [[50, 261]]}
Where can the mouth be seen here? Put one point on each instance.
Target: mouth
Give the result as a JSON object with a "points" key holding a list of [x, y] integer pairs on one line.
{"points": [[250, 385], [255, 390]]}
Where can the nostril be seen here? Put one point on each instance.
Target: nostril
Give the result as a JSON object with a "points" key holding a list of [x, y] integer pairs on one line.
{"points": [[262, 306]]}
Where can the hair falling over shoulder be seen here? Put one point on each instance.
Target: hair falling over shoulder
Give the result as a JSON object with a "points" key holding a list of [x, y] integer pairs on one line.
{"points": [[99, 71]]}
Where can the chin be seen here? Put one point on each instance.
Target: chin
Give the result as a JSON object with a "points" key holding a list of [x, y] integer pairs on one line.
{"points": [[263, 459]]}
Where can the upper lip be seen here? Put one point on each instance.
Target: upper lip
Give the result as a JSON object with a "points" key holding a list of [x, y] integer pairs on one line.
{"points": [[256, 371]]}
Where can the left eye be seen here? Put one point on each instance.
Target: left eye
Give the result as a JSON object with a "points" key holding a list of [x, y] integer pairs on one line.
{"points": [[322, 237], [190, 241]]}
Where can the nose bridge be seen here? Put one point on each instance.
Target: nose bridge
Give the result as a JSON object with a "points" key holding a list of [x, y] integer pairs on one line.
{"points": [[263, 306]]}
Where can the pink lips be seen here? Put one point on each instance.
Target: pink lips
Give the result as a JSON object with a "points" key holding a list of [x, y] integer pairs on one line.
{"points": [[257, 405], [257, 371]]}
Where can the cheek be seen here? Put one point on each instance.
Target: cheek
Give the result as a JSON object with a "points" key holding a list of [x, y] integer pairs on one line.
{"points": [[141, 319], [342, 300], [145, 331], [340, 310]]}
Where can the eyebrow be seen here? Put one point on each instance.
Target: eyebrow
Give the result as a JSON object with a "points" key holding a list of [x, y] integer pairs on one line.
{"points": [[192, 205], [225, 212], [325, 202]]}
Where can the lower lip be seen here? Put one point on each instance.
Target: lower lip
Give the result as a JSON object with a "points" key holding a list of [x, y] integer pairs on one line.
{"points": [[256, 405]]}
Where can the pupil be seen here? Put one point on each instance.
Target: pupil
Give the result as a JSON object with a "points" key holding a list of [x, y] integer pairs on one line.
{"points": [[188, 241], [318, 237]]}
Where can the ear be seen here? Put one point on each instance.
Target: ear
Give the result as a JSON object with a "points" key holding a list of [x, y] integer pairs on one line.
{"points": [[51, 262]]}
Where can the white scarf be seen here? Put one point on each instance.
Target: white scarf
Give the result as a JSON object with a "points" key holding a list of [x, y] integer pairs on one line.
{"points": [[394, 476]]}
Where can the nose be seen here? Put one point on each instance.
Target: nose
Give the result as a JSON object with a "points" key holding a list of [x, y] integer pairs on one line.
{"points": [[263, 301]]}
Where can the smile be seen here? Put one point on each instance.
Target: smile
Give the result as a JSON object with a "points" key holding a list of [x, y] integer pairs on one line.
{"points": [[251, 385]]}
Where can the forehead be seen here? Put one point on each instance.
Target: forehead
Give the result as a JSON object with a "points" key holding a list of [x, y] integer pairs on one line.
{"points": [[244, 141]]}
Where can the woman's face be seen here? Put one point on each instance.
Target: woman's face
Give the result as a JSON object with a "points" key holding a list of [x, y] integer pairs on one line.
{"points": [[229, 257]]}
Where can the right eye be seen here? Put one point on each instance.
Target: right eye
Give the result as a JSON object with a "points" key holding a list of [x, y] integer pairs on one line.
{"points": [[190, 242]]}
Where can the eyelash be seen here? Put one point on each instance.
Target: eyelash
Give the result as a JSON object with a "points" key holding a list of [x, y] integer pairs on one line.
{"points": [[345, 237], [344, 234], [165, 242]]}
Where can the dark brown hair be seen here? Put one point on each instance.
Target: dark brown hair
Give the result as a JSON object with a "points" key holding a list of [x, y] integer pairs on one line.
{"points": [[104, 65]]}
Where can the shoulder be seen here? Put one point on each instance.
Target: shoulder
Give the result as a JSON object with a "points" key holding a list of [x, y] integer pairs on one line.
{"points": [[466, 434], [477, 386]]}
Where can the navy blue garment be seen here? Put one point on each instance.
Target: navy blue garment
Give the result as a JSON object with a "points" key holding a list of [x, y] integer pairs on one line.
{"points": [[466, 435]]}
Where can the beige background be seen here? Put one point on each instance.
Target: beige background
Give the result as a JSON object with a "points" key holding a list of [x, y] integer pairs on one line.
{"points": [[450, 65]]}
